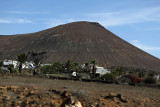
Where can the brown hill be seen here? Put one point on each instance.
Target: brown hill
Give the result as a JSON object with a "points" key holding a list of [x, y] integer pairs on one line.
{"points": [[79, 42]]}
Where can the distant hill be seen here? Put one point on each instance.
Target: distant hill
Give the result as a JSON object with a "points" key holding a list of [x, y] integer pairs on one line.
{"points": [[79, 42]]}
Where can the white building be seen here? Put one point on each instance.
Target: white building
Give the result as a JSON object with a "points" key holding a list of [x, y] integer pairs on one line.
{"points": [[101, 71], [157, 77], [6, 63], [28, 65]]}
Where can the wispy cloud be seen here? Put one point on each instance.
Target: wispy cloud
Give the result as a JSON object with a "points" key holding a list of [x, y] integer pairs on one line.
{"points": [[116, 18], [148, 29], [18, 21], [144, 47], [4, 21], [27, 12], [23, 21], [154, 50], [126, 17], [15, 12]]}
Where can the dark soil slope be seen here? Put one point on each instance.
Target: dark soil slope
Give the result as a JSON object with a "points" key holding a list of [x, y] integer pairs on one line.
{"points": [[79, 42]]}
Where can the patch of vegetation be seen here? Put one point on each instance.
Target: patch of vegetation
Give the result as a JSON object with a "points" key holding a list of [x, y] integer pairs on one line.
{"points": [[47, 69], [21, 58], [110, 78], [12, 69], [150, 80]]}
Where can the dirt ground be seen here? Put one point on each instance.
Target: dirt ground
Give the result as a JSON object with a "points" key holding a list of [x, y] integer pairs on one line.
{"points": [[31, 91]]}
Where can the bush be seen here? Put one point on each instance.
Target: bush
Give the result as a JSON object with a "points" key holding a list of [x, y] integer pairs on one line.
{"points": [[118, 71], [135, 79], [12, 69], [110, 78], [124, 79], [150, 80], [47, 69], [57, 67]]}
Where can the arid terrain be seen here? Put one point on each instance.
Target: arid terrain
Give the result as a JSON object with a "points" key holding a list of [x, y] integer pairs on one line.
{"points": [[31, 91]]}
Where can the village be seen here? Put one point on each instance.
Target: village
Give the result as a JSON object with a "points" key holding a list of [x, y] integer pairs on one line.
{"points": [[87, 71], [100, 71]]}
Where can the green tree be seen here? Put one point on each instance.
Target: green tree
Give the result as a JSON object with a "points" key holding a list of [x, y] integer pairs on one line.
{"points": [[87, 67], [21, 58], [150, 80], [76, 67], [46, 69], [1, 63], [151, 74], [93, 62], [110, 78], [12, 69], [69, 66], [37, 62], [57, 67], [37, 65], [141, 74], [118, 72]]}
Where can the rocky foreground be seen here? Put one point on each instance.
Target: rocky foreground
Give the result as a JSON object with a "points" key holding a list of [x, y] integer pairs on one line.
{"points": [[36, 92], [30, 96]]}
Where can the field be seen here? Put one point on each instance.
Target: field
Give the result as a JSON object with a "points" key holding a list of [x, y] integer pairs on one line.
{"points": [[31, 91]]}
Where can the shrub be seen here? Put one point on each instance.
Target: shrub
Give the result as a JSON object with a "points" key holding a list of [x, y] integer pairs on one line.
{"points": [[109, 78], [124, 79], [1, 63], [47, 69], [151, 74], [135, 79], [150, 80], [141, 74], [57, 67], [12, 69]]}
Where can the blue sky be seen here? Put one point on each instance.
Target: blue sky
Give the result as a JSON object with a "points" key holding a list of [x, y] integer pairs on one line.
{"points": [[136, 21]]}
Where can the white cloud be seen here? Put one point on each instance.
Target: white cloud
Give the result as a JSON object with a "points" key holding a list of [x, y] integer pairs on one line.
{"points": [[17, 21], [135, 41], [153, 50], [23, 21]]}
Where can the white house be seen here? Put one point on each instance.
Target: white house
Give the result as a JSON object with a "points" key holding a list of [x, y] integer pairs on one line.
{"points": [[6, 63], [101, 71], [28, 65]]}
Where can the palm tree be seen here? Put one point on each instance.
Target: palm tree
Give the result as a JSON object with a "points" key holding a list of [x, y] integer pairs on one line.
{"points": [[69, 66], [21, 58], [93, 62], [37, 64], [76, 67], [57, 67], [11, 68], [1, 63], [87, 67]]}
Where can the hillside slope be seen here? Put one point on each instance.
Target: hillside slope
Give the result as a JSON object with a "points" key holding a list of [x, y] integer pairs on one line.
{"points": [[79, 42]]}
